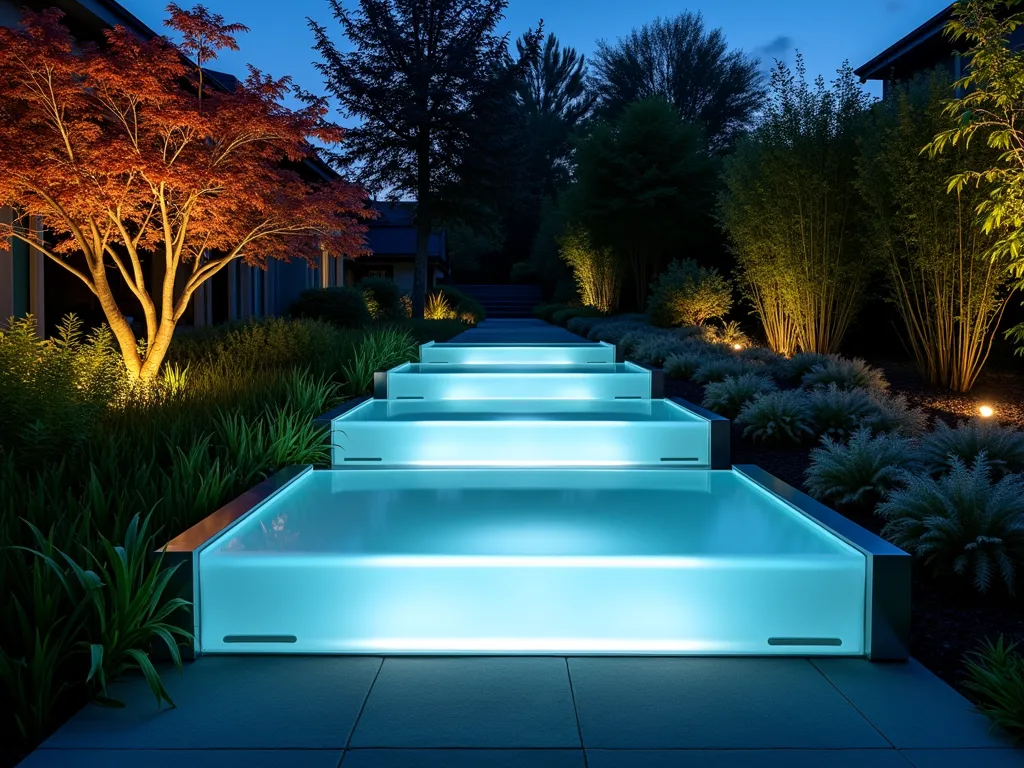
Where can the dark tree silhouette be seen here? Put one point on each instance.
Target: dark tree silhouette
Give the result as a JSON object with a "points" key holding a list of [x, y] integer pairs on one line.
{"points": [[692, 68], [419, 77]]}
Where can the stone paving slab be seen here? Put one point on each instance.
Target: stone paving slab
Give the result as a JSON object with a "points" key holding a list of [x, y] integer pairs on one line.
{"points": [[752, 758], [910, 705], [469, 702], [232, 702], [965, 758], [716, 703], [178, 758], [463, 758]]}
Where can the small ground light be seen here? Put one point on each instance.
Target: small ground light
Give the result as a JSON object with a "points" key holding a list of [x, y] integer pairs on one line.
{"points": [[986, 411], [737, 345]]}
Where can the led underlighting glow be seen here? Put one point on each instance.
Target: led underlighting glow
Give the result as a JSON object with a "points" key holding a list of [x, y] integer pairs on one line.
{"points": [[986, 411]]}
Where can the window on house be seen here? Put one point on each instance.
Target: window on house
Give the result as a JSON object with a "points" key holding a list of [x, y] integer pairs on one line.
{"points": [[385, 272]]}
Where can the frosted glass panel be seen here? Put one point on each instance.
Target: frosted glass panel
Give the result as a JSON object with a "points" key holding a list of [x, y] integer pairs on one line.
{"points": [[528, 560], [604, 381], [453, 353], [521, 433]]}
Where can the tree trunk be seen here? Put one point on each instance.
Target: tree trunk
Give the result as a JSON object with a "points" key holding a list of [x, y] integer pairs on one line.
{"points": [[423, 225]]}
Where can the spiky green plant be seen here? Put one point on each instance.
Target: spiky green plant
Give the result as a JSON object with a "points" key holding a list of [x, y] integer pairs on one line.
{"points": [[728, 396], [1003, 446], [777, 418], [961, 523], [860, 472], [379, 350], [995, 675]]}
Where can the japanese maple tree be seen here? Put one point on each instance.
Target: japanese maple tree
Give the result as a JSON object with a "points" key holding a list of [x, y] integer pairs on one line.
{"points": [[146, 174]]}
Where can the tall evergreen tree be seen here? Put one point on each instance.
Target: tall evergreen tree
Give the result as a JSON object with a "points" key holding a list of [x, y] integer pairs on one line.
{"points": [[692, 68], [419, 77]]}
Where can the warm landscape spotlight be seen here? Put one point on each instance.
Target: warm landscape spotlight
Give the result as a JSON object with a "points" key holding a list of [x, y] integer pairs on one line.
{"points": [[737, 346], [986, 411]]}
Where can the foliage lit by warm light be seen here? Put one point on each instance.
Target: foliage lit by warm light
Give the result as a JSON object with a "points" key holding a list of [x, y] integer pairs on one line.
{"points": [[148, 177], [596, 270]]}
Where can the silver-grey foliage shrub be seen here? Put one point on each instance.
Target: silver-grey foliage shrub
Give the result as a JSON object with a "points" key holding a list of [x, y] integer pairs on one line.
{"points": [[718, 368], [728, 396], [892, 414], [845, 374], [684, 365], [777, 418], [961, 523], [836, 412], [790, 371], [1003, 446], [860, 472]]}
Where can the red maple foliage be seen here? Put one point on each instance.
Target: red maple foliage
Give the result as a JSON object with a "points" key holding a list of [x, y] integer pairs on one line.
{"points": [[131, 157]]}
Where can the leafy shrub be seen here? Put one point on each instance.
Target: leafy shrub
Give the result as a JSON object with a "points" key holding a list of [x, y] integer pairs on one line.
{"points": [[995, 674], [467, 309], [378, 350], [777, 418], [718, 368], [845, 374], [342, 306], [860, 472], [961, 523], [546, 311], [406, 300], [688, 294], [1003, 446], [52, 392], [837, 413], [437, 307], [728, 396], [383, 298], [683, 366], [563, 316]]}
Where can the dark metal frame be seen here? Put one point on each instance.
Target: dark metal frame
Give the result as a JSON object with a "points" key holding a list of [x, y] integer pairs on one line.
{"points": [[183, 550], [721, 433], [887, 614]]}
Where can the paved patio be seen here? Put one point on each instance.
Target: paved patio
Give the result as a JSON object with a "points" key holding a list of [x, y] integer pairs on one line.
{"points": [[543, 712]]}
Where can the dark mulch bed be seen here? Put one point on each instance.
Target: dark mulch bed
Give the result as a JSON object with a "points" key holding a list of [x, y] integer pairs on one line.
{"points": [[948, 619]]}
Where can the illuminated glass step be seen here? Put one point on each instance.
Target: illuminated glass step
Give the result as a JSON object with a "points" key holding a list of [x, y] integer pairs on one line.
{"points": [[530, 561], [521, 433], [456, 353], [594, 381]]}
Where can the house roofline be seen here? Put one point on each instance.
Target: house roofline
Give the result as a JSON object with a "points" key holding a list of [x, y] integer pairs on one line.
{"points": [[876, 68]]}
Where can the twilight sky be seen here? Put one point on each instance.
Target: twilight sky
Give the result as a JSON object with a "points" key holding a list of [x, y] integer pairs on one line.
{"points": [[826, 31]]}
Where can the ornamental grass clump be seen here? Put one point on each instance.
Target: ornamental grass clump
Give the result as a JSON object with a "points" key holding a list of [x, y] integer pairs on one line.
{"points": [[613, 330], [654, 350], [777, 418], [860, 472], [728, 396], [378, 350], [961, 524], [789, 371], [995, 675], [894, 415], [1003, 446], [845, 374]]}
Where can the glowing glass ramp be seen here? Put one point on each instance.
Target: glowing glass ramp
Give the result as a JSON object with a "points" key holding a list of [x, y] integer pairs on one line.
{"points": [[594, 381], [457, 353], [529, 561], [521, 433]]}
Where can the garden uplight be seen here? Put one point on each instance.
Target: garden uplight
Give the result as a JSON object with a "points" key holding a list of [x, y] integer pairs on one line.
{"points": [[737, 346], [986, 411]]}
